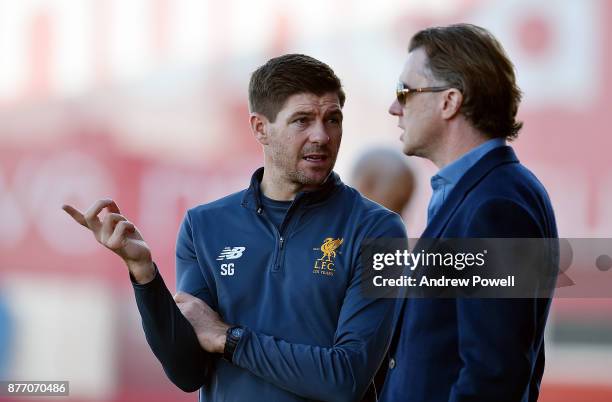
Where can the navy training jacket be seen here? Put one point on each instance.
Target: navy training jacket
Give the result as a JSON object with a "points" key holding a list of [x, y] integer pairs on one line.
{"points": [[310, 333]]}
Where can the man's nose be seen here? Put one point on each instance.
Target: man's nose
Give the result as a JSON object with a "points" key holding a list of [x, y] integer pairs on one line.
{"points": [[319, 133], [396, 109]]}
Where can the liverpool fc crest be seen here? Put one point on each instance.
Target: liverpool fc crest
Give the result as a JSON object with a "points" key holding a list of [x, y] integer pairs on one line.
{"points": [[325, 264]]}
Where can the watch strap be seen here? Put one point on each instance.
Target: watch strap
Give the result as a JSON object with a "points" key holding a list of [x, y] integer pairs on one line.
{"points": [[233, 336]]}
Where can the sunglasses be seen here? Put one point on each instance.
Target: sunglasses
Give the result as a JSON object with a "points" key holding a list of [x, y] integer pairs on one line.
{"points": [[402, 91]]}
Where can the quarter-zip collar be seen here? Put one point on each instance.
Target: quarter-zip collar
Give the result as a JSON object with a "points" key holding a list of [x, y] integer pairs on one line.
{"points": [[252, 196]]}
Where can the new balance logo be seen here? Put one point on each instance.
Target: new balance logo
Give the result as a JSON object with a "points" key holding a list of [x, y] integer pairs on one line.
{"points": [[231, 253]]}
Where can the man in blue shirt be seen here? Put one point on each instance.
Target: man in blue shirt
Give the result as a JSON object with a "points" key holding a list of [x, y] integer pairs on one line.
{"points": [[270, 304], [456, 104]]}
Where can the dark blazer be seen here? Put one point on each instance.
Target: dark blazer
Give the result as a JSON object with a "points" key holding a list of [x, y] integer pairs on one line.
{"points": [[467, 349]]}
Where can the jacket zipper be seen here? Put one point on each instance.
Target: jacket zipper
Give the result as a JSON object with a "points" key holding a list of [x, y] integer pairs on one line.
{"points": [[281, 241]]}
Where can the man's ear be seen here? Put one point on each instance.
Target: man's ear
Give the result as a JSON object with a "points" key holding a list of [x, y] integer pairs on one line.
{"points": [[259, 126], [453, 98]]}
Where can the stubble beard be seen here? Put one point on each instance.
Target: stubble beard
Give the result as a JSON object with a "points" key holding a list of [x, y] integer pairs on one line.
{"points": [[299, 176]]}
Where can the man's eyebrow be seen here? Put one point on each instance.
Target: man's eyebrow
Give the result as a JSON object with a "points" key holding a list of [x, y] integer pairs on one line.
{"points": [[307, 113], [311, 113], [334, 112]]}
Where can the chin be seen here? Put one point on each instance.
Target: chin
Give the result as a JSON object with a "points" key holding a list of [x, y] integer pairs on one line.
{"points": [[412, 149], [313, 178], [408, 150], [317, 178]]}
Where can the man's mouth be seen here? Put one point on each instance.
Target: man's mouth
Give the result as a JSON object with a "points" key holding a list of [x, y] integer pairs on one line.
{"points": [[315, 158]]}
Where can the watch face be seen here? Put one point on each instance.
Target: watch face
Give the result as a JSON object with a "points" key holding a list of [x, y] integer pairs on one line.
{"points": [[237, 332]]}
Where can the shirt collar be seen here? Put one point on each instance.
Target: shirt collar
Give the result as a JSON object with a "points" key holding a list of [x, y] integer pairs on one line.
{"points": [[452, 172], [252, 196]]}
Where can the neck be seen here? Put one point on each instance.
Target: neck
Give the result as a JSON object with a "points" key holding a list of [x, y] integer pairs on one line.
{"points": [[460, 139]]}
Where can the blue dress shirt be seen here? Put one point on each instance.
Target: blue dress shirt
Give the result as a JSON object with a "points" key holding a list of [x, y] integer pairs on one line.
{"points": [[446, 179]]}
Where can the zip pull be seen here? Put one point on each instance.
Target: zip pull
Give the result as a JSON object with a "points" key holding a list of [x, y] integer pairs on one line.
{"points": [[282, 240]]}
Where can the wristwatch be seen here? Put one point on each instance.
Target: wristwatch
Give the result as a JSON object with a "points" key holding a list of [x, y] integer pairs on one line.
{"points": [[233, 336]]}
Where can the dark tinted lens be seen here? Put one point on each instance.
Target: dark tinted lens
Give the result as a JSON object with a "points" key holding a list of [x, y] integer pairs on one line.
{"points": [[401, 97], [400, 94]]}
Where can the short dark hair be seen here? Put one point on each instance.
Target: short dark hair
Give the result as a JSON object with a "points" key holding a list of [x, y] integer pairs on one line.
{"points": [[281, 77], [469, 58]]}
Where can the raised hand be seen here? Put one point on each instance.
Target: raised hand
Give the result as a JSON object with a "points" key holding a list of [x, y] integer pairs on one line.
{"points": [[119, 235]]}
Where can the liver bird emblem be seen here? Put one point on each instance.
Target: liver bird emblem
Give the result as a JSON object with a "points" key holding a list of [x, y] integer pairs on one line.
{"points": [[329, 247]]}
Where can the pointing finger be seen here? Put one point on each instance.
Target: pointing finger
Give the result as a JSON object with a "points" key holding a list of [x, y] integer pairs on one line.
{"points": [[75, 214]]}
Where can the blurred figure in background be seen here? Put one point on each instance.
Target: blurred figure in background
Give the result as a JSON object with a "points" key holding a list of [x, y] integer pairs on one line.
{"points": [[384, 176]]}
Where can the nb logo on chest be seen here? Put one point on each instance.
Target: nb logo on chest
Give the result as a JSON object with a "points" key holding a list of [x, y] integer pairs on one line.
{"points": [[231, 253]]}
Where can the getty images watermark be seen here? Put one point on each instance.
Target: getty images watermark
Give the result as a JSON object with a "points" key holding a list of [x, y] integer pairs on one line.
{"points": [[487, 268]]}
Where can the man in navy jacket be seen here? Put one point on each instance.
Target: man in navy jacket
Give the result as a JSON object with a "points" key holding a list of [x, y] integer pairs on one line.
{"points": [[456, 104], [270, 304]]}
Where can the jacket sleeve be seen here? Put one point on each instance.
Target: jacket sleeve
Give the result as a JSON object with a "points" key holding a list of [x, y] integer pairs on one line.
{"points": [[499, 339], [343, 371], [169, 334]]}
